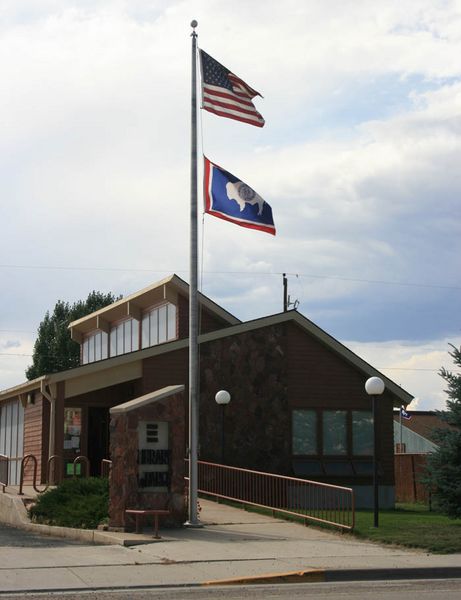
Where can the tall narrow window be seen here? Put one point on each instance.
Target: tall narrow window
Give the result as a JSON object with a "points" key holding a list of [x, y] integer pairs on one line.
{"points": [[162, 324], [304, 431], [334, 432], [362, 433], [159, 325]]}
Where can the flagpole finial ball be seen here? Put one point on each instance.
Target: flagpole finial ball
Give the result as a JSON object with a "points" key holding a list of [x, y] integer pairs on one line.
{"points": [[193, 23]]}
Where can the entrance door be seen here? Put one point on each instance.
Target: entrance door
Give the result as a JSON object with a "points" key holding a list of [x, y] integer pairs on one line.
{"points": [[98, 438]]}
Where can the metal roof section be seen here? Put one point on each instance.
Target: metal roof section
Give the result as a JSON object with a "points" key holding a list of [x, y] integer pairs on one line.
{"points": [[147, 399], [132, 306]]}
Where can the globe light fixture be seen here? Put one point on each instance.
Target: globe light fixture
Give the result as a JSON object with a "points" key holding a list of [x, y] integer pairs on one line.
{"points": [[222, 399]]}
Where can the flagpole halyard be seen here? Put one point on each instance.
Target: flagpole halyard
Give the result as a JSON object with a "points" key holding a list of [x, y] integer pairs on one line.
{"points": [[193, 304]]}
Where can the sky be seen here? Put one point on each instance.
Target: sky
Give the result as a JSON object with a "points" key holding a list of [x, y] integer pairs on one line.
{"points": [[359, 159]]}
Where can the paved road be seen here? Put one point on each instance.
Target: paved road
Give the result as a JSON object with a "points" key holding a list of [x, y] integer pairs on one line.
{"points": [[414, 590]]}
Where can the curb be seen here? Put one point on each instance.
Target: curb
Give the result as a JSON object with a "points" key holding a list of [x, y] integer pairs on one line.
{"points": [[330, 576], [308, 575], [393, 574]]}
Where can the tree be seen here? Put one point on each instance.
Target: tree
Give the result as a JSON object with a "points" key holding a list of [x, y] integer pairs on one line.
{"points": [[54, 350], [444, 464]]}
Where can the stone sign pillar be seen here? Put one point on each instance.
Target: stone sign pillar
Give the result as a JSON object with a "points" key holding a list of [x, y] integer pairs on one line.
{"points": [[147, 449]]}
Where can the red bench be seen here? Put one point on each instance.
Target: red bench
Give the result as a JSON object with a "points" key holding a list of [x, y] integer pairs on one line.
{"points": [[140, 513]]}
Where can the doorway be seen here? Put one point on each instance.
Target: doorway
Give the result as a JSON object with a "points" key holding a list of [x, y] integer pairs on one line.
{"points": [[98, 438]]}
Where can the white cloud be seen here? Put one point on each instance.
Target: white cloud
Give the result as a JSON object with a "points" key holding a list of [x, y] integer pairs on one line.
{"points": [[413, 366], [359, 157]]}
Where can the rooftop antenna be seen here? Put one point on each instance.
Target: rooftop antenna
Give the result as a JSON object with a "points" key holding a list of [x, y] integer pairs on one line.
{"points": [[287, 303]]}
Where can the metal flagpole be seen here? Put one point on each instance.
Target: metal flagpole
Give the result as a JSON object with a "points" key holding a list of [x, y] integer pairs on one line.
{"points": [[193, 312]]}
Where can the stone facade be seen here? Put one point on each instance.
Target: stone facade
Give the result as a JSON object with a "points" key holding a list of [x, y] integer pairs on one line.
{"points": [[252, 367], [124, 488]]}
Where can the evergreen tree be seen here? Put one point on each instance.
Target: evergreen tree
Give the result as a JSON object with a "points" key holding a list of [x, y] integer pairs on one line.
{"points": [[444, 465], [54, 350]]}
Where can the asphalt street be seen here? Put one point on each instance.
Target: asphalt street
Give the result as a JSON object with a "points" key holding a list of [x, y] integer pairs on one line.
{"points": [[378, 590]]}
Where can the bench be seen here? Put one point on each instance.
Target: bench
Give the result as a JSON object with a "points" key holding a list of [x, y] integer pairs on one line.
{"points": [[140, 513]]}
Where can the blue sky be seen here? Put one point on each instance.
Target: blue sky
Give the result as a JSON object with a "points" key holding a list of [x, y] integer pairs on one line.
{"points": [[359, 160]]}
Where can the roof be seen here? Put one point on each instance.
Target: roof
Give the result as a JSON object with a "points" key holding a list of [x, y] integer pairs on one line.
{"points": [[127, 367], [131, 306], [423, 422], [147, 399]]}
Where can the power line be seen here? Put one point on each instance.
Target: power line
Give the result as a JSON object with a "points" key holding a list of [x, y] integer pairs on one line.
{"points": [[251, 274]]}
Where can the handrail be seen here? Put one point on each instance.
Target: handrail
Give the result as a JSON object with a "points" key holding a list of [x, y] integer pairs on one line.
{"points": [[4, 471], [310, 500], [82, 459]]}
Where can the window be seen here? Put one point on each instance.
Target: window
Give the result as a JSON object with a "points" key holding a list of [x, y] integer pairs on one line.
{"points": [[159, 325], [332, 433], [124, 337], [94, 347], [362, 433], [304, 424]]}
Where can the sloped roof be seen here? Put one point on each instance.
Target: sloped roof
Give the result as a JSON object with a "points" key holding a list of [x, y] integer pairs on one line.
{"points": [[116, 363], [131, 305]]}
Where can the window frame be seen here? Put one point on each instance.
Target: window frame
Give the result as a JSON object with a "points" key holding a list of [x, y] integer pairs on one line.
{"points": [[320, 455]]}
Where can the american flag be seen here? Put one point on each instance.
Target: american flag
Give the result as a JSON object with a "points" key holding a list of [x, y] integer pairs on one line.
{"points": [[226, 95]]}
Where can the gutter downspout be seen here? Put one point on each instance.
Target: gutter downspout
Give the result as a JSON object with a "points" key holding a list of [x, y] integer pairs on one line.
{"points": [[51, 397]]}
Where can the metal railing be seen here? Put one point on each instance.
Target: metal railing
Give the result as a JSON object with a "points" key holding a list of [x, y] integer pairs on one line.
{"points": [[4, 467], [309, 500], [53, 473]]}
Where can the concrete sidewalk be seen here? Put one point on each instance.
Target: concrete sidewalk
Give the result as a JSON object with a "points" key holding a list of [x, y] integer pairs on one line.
{"points": [[233, 546]]}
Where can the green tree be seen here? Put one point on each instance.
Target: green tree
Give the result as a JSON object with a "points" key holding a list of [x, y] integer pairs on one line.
{"points": [[444, 465], [54, 350]]}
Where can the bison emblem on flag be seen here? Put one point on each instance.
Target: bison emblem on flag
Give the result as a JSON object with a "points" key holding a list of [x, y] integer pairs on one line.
{"points": [[229, 198]]}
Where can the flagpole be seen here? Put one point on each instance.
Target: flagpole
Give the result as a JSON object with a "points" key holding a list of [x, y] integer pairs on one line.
{"points": [[193, 312], [400, 418]]}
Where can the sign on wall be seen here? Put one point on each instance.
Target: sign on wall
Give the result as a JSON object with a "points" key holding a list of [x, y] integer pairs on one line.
{"points": [[153, 456]]}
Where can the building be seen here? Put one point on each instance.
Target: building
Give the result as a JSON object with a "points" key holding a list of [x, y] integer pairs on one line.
{"points": [[416, 435], [298, 405]]}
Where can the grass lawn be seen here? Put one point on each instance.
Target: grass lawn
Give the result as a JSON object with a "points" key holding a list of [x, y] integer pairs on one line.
{"points": [[412, 526]]}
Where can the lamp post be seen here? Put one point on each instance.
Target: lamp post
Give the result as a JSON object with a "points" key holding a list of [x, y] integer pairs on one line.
{"points": [[222, 398], [374, 387]]}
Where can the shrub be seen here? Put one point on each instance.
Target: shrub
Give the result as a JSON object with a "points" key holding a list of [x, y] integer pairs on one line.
{"points": [[79, 502]]}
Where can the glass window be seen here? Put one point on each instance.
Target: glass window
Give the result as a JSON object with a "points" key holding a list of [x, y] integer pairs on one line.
{"points": [[171, 334], [162, 324], [91, 348], [85, 351], [153, 328], [362, 433], [113, 341], [126, 336], [104, 341], [145, 331], [334, 432], [134, 334], [97, 346], [119, 329], [304, 431]]}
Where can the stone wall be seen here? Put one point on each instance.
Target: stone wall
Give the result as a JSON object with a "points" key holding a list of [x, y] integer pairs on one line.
{"points": [[124, 492], [257, 422]]}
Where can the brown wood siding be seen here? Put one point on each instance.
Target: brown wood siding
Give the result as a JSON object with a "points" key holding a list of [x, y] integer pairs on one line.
{"points": [[33, 437], [207, 320], [319, 378], [166, 369]]}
